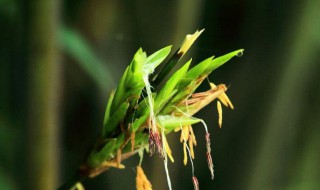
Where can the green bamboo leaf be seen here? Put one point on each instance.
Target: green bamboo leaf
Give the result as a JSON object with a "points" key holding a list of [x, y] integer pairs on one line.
{"points": [[164, 101], [120, 91], [120, 141], [192, 80], [141, 139], [170, 122], [157, 78], [143, 106], [132, 96], [116, 118], [169, 87], [135, 80], [198, 69], [196, 75], [217, 62], [140, 121], [96, 158], [187, 43], [131, 81], [135, 73], [156, 58], [138, 61], [107, 113]]}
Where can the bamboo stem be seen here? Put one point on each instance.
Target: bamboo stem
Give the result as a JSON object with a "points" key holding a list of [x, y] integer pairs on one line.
{"points": [[44, 94]]}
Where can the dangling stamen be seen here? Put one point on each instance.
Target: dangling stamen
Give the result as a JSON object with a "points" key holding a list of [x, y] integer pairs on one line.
{"points": [[192, 141], [191, 147], [184, 133], [166, 148], [195, 183], [185, 146], [209, 158], [185, 158], [219, 108], [207, 137]]}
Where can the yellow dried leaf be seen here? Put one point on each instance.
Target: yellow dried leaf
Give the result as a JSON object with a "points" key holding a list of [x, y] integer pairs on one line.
{"points": [[206, 99], [77, 186], [212, 85], [113, 164], [223, 97], [189, 40], [142, 182]]}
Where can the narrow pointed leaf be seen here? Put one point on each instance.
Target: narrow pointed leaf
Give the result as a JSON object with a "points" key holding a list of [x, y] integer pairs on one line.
{"points": [[196, 75], [96, 158], [120, 91], [170, 122], [217, 62], [169, 86], [187, 43], [107, 113], [156, 58], [139, 122], [116, 118]]}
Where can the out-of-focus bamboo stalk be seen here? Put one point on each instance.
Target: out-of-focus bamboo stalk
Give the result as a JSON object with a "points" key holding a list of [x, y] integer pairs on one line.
{"points": [[272, 167], [44, 91], [188, 17], [308, 173]]}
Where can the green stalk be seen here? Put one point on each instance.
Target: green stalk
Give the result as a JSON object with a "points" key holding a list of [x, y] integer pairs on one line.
{"points": [[45, 75]]}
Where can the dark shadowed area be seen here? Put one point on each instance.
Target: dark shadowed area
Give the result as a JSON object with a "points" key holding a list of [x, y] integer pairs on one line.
{"points": [[59, 61]]}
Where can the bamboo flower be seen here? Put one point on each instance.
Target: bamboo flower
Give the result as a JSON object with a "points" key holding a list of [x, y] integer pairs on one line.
{"points": [[138, 115]]}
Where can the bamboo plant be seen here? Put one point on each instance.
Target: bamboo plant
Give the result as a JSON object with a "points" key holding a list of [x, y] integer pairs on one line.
{"points": [[147, 106]]}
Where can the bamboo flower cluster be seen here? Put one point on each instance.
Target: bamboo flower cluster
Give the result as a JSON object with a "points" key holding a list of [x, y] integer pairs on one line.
{"points": [[145, 108]]}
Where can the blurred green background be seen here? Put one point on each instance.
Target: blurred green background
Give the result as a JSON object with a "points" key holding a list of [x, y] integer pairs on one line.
{"points": [[59, 61]]}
